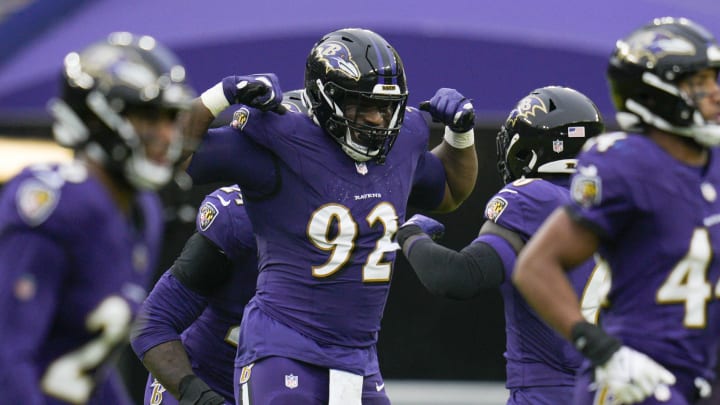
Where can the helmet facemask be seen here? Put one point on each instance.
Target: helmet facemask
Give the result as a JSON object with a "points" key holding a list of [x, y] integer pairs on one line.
{"points": [[116, 144], [344, 110], [357, 92]]}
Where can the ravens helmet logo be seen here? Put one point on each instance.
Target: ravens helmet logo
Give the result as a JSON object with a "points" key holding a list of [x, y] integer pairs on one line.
{"points": [[336, 56], [527, 107], [654, 45]]}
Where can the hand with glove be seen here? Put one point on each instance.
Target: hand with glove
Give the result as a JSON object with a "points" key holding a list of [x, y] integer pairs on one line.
{"points": [[194, 391], [434, 229], [452, 109], [261, 91], [416, 227], [628, 375]]}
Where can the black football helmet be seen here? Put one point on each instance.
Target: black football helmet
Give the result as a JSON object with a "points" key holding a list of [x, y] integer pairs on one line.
{"points": [[544, 132], [644, 71], [356, 67], [123, 74]]}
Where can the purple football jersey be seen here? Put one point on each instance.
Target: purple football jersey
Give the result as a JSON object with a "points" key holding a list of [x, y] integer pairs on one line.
{"points": [[659, 223], [73, 274], [325, 240], [207, 325], [223, 220], [536, 355]]}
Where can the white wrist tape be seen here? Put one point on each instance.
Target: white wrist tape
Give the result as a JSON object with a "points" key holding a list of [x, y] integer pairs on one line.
{"points": [[214, 99], [459, 140]]}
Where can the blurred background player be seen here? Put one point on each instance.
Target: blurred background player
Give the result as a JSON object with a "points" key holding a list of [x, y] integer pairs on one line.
{"points": [[325, 219], [536, 147], [79, 241], [201, 300], [646, 201]]}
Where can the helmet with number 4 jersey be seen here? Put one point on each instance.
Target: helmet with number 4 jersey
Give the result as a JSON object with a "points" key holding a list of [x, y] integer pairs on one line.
{"points": [[644, 72], [544, 132], [105, 83], [356, 67]]}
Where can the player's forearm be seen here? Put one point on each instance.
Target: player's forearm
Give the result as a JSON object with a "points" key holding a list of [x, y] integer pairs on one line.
{"points": [[445, 272], [198, 121], [168, 362], [547, 289], [168, 310], [461, 167]]}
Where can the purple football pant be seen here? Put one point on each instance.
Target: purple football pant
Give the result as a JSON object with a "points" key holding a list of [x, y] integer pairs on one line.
{"points": [[281, 381], [546, 395]]}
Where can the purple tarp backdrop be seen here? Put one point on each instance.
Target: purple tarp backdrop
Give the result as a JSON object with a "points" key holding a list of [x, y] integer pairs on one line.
{"points": [[492, 51]]}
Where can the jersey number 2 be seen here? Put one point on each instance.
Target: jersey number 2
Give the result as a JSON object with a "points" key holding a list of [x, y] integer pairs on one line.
{"points": [[333, 229], [69, 377]]}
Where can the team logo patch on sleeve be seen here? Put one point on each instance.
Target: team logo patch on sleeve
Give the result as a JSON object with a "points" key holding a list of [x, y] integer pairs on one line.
{"points": [[206, 215], [240, 118], [36, 201], [586, 187], [495, 208]]}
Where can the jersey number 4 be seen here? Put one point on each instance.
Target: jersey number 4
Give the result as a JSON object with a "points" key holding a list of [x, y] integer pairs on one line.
{"points": [[333, 229], [687, 282]]}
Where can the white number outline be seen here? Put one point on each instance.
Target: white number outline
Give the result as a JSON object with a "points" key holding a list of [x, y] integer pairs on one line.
{"points": [[342, 245], [69, 377], [687, 282], [596, 289]]}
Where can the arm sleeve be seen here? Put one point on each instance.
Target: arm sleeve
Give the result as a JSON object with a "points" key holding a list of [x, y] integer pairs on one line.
{"points": [[457, 275], [31, 277], [168, 310], [201, 267]]}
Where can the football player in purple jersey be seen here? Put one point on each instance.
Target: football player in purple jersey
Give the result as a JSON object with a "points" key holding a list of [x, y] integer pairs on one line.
{"points": [[201, 300], [186, 333], [325, 217], [646, 200], [537, 146], [79, 241]]}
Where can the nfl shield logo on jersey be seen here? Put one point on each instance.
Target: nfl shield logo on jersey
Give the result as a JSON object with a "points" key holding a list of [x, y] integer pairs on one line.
{"points": [[291, 381], [558, 146]]}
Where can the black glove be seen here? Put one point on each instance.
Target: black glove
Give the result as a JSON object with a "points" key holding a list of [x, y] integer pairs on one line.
{"points": [[194, 391]]}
